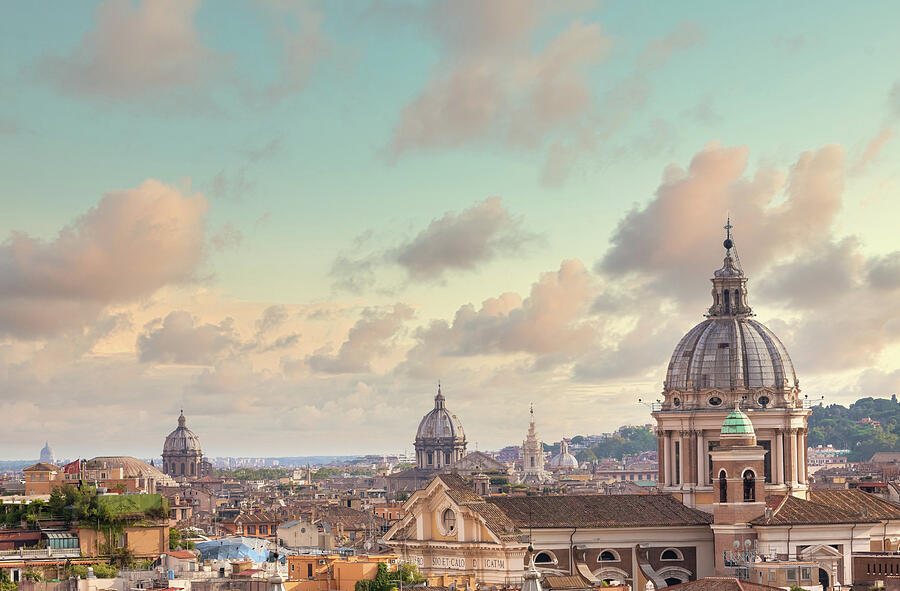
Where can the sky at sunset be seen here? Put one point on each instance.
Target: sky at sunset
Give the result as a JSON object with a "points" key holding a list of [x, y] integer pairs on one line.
{"points": [[292, 219]]}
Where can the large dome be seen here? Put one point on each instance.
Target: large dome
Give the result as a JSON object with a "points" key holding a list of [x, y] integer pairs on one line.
{"points": [[439, 423], [182, 439], [730, 353]]}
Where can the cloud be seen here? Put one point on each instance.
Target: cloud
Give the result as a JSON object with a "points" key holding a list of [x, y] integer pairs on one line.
{"points": [[549, 324], [491, 84], [370, 337], [667, 243], [131, 244], [296, 27], [135, 50], [685, 36], [177, 339], [226, 238], [461, 241], [873, 149], [454, 242]]}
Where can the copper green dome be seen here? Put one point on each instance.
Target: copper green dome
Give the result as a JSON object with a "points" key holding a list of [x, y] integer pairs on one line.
{"points": [[737, 423]]}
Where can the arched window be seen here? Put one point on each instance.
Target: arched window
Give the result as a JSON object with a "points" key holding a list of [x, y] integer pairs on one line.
{"points": [[430, 458], [671, 554], [448, 519], [543, 558], [182, 468], [447, 458], [749, 486], [727, 303], [192, 468], [608, 556], [723, 487]]}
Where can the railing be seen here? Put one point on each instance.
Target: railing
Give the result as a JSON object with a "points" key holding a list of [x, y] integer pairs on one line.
{"points": [[22, 553]]}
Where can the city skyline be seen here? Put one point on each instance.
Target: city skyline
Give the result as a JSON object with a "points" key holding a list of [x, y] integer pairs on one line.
{"points": [[293, 220]]}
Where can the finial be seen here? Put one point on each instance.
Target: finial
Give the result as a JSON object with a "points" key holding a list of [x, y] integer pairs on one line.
{"points": [[439, 386], [728, 241], [532, 412]]}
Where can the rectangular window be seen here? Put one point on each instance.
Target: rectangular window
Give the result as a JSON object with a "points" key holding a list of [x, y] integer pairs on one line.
{"points": [[772, 576], [710, 445], [792, 574], [251, 530], [805, 573], [264, 530], [767, 459]]}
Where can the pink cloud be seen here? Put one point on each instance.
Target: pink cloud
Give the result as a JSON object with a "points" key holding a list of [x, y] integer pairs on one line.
{"points": [[131, 244], [136, 49]]}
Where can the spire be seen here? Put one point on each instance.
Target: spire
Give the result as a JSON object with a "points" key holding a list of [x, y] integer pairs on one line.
{"points": [[439, 399], [729, 283]]}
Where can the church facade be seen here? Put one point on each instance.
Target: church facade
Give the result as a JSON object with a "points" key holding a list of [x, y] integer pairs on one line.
{"points": [[734, 500]]}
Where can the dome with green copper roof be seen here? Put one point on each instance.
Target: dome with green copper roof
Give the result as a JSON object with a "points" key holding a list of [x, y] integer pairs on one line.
{"points": [[737, 423]]}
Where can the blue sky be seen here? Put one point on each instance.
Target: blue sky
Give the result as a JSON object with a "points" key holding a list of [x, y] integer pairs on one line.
{"points": [[356, 144]]}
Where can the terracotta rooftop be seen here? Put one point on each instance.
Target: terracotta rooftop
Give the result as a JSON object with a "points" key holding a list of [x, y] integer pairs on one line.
{"points": [[790, 510], [495, 518], [182, 554], [41, 467], [859, 502], [720, 584], [600, 511], [565, 582]]}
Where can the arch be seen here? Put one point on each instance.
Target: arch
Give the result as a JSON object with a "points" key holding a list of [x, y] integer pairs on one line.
{"points": [[545, 557], [611, 575], [824, 579], [671, 554], [676, 573], [727, 302], [192, 468], [182, 468], [608, 555], [749, 486], [723, 486]]}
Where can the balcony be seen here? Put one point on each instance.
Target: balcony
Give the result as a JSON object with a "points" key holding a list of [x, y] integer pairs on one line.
{"points": [[38, 554]]}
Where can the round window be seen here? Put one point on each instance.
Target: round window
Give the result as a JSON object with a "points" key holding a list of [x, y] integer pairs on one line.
{"points": [[763, 401], [715, 401], [676, 402]]}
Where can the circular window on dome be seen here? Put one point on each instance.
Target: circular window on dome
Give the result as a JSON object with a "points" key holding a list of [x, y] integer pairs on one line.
{"points": [[676, 402], [763, 401], [715, 401]]}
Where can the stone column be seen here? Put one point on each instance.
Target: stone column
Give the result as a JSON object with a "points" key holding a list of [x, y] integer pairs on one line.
{"points": [[788, 454], [701, 459], [795, 456], [681, 458], [667, 458], [801, 456], [779, 456], [661, 457]]}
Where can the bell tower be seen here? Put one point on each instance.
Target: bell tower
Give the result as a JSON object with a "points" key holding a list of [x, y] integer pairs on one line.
{"points": [[739, 490]]}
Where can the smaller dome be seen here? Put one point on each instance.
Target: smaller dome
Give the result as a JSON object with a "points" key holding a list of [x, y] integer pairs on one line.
{"points": [[439, 423], [737, 423], [47, 454], [563, 459], [182, 439]]}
